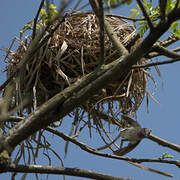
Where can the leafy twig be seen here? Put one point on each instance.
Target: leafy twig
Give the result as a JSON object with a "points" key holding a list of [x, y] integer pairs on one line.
{"points": [[145, 14], [36, 18]]}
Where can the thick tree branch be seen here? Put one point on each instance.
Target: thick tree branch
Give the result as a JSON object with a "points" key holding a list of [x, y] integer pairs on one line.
{"points": [[162, 5], [59, 170]]}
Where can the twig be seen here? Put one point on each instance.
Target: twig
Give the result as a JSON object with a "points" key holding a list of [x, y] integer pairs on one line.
{"points": [[145, 14], [156, 63], [163, 142], [36, 18], [168, 41], [59, 170], [177, 3], [127, 18], [93, 151], [152, 170], [158, 50]]}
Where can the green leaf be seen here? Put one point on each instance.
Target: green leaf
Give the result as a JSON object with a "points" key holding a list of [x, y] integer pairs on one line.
{"points": [[166, 155], [52, 6], [177, 33], [134, 10], [174, 26]]}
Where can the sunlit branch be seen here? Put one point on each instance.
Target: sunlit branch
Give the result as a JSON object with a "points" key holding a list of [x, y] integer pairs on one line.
{"points": [[59, 170]]}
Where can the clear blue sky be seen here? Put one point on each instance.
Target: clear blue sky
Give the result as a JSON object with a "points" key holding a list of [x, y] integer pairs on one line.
{"points": [[163, 118]]}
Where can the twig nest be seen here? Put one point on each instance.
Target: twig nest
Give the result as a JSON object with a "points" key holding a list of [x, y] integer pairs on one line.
{"points": [[73, 52]]}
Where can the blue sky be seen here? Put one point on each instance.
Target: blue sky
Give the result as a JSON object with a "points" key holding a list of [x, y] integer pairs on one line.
{"points": [[163, 118]]}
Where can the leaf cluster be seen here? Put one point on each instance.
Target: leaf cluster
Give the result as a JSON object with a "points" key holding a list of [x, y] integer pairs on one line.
{"points": [[115, 3], [166, 156], [45, 15], [154, 14]]}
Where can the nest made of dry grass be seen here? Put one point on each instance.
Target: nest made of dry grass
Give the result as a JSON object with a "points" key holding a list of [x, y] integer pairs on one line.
{"points": [[73, 52], [70, 54]]}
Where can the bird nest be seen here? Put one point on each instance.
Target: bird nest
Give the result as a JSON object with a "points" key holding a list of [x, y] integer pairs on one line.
{"points": [[70, 54]]}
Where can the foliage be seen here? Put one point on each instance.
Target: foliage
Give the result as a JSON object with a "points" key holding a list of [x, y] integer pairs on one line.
{"points": [[166, 156], [115, 3], [154, 13], [45, 16]]}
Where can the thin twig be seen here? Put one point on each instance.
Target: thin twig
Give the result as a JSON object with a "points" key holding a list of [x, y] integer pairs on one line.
{"points": [[158, 50], [127, 18], [36, 18], [156, 63], [163, 142], [177, 3], [93, 151], [145, 14], [169, 40]]}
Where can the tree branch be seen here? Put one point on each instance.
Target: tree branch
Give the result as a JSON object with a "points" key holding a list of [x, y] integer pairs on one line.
{"points": [[156, 63], [170, 40], [36, 18], [114, 39], [163, 142], [158, 50], [59, 170], [127, 18], [95, 152], [162, 5], [145, 14]]}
